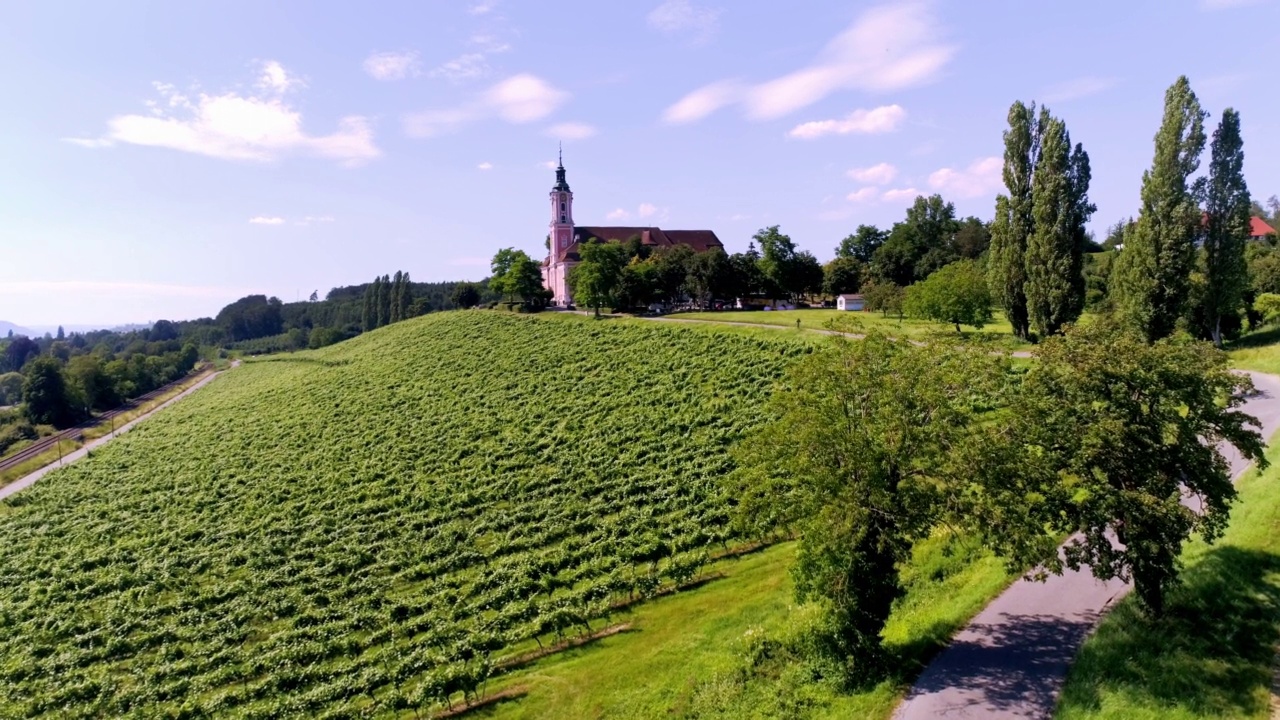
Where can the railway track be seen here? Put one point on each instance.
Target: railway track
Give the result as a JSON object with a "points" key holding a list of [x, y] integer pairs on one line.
{"points": [[76, 433]]}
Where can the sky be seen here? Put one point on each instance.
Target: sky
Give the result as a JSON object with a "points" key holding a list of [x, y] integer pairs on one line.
{"points": [[159, 160]]}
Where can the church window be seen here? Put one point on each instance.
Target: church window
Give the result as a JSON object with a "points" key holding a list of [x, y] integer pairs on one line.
{"points": [[562, 206]]}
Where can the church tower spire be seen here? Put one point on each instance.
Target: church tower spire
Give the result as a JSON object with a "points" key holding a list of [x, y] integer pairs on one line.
{"points": [[561, 235]]}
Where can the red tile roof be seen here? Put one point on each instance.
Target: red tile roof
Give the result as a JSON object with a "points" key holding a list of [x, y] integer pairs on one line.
{"points": [[699, 240], [1258, 228]]}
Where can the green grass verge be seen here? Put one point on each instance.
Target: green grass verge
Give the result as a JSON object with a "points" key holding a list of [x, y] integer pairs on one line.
{"points": [[1258, 350], [683, 654], [1211, 655]]}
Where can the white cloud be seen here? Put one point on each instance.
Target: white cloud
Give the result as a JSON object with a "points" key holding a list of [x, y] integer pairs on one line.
{"points": [[1078, 88], [518, 99], [982, 177], [889, 47], [483, 7], [900, 194], [310, 219], [485, 166], [681, 16], [234, 127], [266, 220], [489, 43], [617, 214], [883, 119], [275, 79], [647, 210], [866, 194], [464, 67], [549, 164], [881, 174], [571, 131], [704, 101], [392, 65]]}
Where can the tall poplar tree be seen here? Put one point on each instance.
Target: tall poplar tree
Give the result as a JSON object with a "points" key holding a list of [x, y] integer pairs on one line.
{"points": [[369, 316], [406, 297], [1152, 277], [1227, 205], [1055, 249], [384, 300], [1007, 270], [397, 287]]}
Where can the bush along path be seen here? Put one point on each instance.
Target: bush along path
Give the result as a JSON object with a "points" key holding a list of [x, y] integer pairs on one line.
{"points": [[1012, 659]]}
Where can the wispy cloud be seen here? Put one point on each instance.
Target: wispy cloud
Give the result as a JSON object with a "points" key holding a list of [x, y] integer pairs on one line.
{"points": [[231, 126], [474, 63], [483, 7], [900, 194], [571, 131], [518, 99], [880, 174], [883, 119], [981, 177], [1226, 4], [485, 166], [392, 65], [681, 17], [645, 211], [866, 194], [1078, 88], [314, 219], [887, 48], [266, 220]]}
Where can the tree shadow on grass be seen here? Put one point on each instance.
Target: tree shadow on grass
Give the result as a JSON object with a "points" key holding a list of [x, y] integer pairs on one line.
{"points": [[1261, 338], [1211, 652]]}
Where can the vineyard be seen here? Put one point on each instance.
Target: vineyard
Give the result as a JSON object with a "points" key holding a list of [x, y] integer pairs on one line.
{"points": [[368, 529]]}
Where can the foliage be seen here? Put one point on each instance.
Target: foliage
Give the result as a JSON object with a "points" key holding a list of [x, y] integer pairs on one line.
{"points": [[844, 274], [515, 275], [920, 244], [251, 317], [885, 297], [1227, 211], [863, 455], [1117, 432], [45, 396], [862, 244], [956, 294], [1153, 273], [596, 280], [465, 295], [262, 550], [10, 388]]}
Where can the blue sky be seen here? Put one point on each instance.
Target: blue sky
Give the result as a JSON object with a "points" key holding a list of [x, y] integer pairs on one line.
{"points": [[162, 159]]}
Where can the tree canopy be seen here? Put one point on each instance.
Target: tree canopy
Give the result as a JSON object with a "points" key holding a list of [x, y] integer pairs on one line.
{"points": [[956, 294]]}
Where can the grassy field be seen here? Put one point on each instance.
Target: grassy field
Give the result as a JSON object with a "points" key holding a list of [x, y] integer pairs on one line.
{"points": [[1212, 655], [1258, 351], [682, 657], [352, 530], [997, 332]]}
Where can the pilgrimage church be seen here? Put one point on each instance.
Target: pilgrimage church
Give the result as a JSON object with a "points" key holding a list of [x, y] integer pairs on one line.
{"points": [[566, 237]]}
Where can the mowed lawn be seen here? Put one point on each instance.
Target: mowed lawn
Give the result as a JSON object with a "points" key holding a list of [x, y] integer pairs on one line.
{"points": [[1212, 654], [1258, 351], [681, 644], [997, 331]]}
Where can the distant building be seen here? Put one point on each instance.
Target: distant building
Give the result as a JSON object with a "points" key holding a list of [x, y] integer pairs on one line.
{"points": [[849, 302], [566, 237], [1259, 229]]}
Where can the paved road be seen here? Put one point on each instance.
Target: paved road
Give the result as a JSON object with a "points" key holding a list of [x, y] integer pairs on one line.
{"points": [[29, 480], [1012, 659]]}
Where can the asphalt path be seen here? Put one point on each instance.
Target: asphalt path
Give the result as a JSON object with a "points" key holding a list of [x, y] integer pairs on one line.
{"points": [[1012, 659], [27, 481]]}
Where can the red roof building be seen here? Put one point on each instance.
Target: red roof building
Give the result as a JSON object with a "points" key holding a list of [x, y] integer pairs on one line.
{"points": [[1259, 229]]}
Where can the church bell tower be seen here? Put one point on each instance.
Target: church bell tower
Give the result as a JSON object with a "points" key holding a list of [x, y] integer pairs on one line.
{"points": [[561, 213]]}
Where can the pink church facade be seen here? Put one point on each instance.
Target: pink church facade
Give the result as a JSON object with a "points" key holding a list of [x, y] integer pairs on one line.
{"points": [[564, 237]]}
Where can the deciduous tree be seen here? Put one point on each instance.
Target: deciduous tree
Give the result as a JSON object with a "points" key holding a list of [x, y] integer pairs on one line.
{"points": [[862, 244], [1014, 219], [45, 397], [956, 294], [595, 281]]}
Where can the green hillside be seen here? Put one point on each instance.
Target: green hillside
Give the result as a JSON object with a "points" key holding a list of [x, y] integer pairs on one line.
{"points": [[351, 529]]}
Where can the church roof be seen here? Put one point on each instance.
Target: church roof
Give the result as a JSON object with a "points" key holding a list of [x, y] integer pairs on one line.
{"points": [[699, 240]]}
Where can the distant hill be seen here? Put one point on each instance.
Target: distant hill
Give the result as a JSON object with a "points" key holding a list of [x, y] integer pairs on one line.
{"points": [[467, 480], [6, 327]]}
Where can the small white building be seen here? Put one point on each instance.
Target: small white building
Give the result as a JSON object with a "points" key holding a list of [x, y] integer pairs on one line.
{"points": [[849, 302]]}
